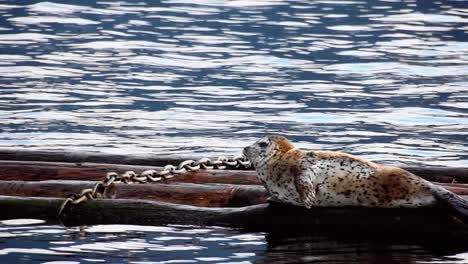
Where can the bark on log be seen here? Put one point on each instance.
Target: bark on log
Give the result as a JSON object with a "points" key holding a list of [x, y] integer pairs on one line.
{"points": [[40, 171], [207, 195], [428, 222]]}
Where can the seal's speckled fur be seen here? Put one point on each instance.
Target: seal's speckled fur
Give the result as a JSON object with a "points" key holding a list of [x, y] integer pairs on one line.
{"points": [[325, 178]]}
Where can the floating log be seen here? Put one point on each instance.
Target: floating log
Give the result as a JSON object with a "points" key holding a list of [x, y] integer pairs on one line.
{"points": [[88, 156], [207, 195], [40, 171], [438, 174], [39, 166], [264, 217], [460, 189], [223, 195]]}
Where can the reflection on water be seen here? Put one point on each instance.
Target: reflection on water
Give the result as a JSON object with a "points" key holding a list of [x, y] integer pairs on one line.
{"points": [[386, 80], [26, 240], [319, 249], [383, 79]]}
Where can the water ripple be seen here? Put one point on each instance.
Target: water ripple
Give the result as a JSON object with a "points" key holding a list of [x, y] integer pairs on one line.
{"points": [[209, 77], [127, 243], [386, 80]]}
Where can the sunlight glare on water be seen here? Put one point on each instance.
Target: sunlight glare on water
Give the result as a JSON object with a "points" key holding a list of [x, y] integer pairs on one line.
{"points": [[385, 80], [125, 243], [209, 77]]}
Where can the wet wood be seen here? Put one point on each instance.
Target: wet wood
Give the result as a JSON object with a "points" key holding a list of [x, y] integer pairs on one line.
{"points": [[208, 195], [460, 189], [206, 204], [262, 217], [88, 156], [440, 174], [40, 171], [437, 174]]}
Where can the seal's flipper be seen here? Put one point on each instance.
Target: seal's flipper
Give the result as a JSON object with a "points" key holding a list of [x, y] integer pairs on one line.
{"points": [[452, 201], [305, 188]]}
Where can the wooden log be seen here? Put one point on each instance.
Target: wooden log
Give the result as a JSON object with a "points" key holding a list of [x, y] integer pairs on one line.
{"points": [[207, 195], [438, 174], [40, 171], [429, 222], [88, 156], [460, 189]]}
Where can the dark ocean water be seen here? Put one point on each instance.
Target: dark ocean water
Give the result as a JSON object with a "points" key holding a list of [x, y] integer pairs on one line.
{"points": [[386, 80]]}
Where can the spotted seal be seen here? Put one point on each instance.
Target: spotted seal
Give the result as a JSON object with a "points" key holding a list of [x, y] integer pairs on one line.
{"points": [[326, 178]]}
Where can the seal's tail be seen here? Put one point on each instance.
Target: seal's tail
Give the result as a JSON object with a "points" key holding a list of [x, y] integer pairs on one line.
{"points": [[452, 201]]}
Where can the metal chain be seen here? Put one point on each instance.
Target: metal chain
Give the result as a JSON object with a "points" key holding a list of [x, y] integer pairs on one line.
{"points": [[167, 172]]}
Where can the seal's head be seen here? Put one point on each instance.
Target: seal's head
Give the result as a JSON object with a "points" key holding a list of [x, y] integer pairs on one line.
{"points": [[264, 149]]}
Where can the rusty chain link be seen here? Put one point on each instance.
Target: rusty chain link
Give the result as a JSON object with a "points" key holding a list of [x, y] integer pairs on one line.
{"points": [[167, 172]]}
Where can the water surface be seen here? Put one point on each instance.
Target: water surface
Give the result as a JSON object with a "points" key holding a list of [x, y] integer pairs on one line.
{"points": [[34, 241], [383, 79], [386, 80]]}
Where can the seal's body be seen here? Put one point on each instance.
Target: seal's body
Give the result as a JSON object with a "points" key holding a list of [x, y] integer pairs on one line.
{"points": [[325, 178]]}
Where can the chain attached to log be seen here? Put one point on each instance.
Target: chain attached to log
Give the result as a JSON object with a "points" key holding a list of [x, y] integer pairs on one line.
{"points": [[167, 172]]}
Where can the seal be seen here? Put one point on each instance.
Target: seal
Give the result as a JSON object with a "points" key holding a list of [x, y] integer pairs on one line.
{"points": [[326, 178]]}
